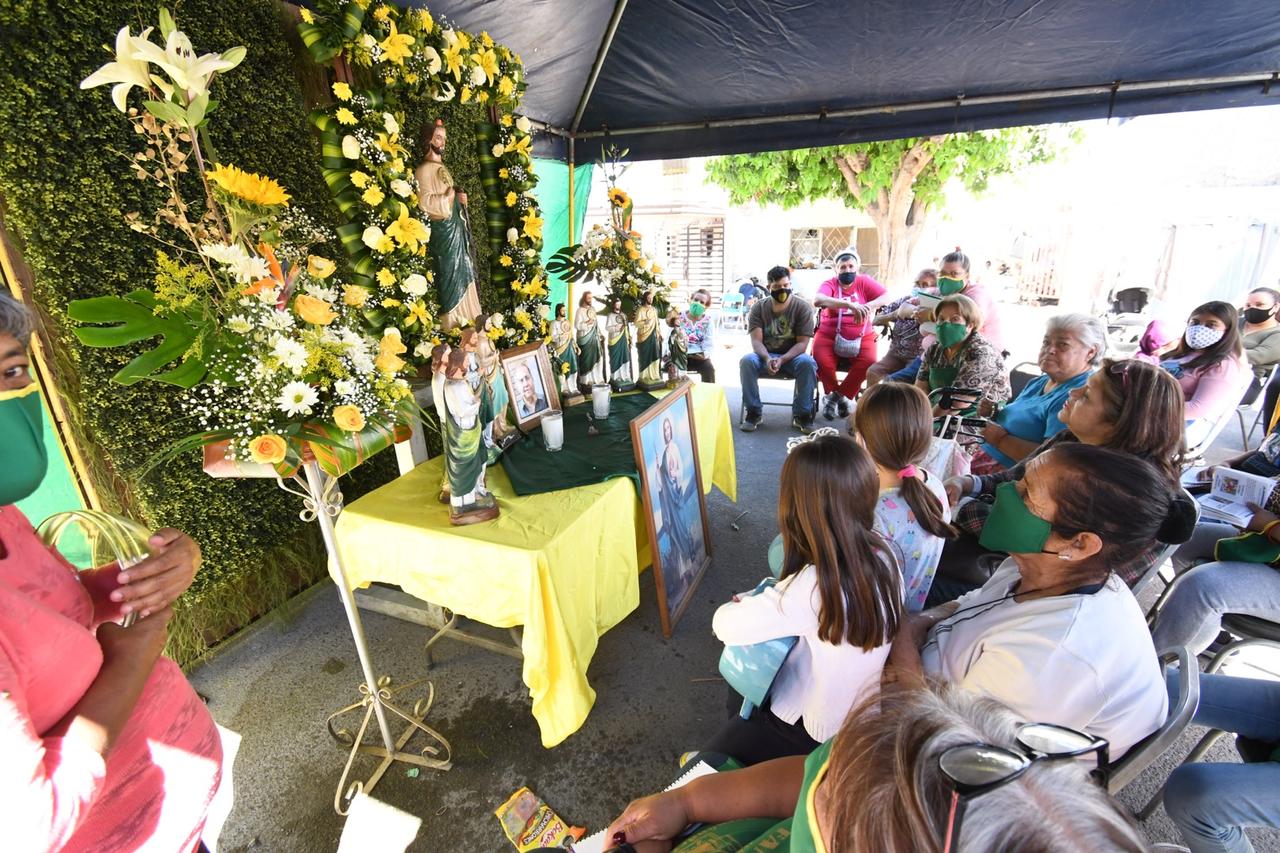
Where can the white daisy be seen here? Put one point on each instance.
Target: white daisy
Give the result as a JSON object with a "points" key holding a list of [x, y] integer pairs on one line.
{"points": [[239, 324], [290, 353], [297, 398]]}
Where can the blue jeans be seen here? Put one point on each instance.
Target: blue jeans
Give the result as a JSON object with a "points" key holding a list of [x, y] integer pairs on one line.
{"points": [[1212, 803], [803, 369], [908, 373], [1204, 591]]}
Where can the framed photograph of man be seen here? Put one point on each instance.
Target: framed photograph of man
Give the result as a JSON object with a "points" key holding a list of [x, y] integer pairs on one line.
{"points": [[530, 383], [666, 448]]}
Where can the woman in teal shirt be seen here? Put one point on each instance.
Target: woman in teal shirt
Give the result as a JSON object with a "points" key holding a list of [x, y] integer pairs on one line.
{"points": [[1073, 345], [879, 785]]}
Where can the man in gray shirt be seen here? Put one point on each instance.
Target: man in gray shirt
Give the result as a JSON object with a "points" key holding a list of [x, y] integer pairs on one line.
{"points": [[780, 328]]}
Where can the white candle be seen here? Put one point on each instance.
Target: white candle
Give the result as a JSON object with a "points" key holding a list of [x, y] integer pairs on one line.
{"points": [[553, 431], [600, 399]]}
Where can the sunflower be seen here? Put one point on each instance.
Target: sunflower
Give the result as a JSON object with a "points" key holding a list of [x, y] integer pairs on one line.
{"points": [[618, 198], [249, 187]]}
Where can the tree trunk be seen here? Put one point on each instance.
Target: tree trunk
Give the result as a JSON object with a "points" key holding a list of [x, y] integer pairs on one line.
{"points": [[898, 216]]}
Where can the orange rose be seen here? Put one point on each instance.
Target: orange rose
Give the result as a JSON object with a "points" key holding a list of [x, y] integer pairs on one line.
{"points": [[348, 418], [313, 310], [320, 267], [268, 449]]}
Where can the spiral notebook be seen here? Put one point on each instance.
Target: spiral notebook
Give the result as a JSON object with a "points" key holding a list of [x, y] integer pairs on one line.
{"points": [[598, 843]]}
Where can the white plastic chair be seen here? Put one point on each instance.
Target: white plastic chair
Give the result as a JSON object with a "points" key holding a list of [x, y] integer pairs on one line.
{"points": [[731, 310], [1196, 453]]}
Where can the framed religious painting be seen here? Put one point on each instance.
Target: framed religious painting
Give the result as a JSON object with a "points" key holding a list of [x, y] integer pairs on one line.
{"points": [[675, 508], [531, 384]]}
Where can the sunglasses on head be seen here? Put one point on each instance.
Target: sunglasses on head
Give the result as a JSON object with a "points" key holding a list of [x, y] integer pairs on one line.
{"points": [[973, 769]]}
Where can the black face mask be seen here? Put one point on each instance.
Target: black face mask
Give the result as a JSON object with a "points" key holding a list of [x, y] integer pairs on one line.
{"points": [[847, 278], [781, 295], [1257, 315]]}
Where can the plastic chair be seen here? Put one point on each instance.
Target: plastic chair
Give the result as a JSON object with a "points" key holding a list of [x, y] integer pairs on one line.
{"points": [[1021, 375], [1181, 710], [1254, 405], [1195, 454], [731, 309], [1164, 562], [1251, 631]]}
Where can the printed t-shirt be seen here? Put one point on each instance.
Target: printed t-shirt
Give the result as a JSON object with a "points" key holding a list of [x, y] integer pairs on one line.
{"points": [[780, 325]]}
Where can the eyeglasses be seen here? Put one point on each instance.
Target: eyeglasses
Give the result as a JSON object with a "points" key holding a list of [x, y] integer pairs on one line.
{"points": [[974, 769]]}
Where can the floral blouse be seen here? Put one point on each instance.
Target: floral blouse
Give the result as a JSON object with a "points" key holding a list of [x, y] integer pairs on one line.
{"points": [[981, 367], [700, 333]]}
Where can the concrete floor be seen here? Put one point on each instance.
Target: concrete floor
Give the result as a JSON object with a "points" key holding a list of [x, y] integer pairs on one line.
{"points": [[278, 680]]}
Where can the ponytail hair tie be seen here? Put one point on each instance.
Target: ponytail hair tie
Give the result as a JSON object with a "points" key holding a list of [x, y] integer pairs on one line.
{"points": [[909, 471]]}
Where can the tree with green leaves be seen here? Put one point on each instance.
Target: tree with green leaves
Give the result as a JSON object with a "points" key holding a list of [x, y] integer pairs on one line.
{"points": [[898, 183]]}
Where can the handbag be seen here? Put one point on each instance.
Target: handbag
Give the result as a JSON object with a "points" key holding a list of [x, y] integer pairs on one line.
{"points": [[751, 670], [846, 347], [1249, 548]]}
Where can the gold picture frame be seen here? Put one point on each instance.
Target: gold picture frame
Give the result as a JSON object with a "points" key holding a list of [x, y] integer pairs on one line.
{"points": [[665, 439], [535, 396]]}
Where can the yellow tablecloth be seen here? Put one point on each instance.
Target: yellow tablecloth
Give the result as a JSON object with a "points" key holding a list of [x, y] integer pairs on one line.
{"points": [[563, 564]]}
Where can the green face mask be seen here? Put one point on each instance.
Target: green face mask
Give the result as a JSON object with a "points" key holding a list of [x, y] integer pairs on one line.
{"points": [[23, 459], [1011, 527], [950, 334], [948, 286], [696, 309]]}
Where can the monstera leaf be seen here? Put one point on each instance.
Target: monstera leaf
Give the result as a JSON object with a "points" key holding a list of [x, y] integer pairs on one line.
{"points": [[564, 264], [132, 318]]}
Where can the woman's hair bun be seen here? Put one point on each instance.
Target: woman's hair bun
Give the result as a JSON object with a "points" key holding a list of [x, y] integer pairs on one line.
{"points": [[1180, 522]]}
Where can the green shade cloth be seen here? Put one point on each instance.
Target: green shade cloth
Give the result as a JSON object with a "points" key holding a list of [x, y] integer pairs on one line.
{"points": [[552, 193], [584, 459]]}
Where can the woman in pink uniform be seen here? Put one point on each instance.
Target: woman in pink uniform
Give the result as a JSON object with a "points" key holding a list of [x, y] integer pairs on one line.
{"points": [[848, 303], [105, 745]]}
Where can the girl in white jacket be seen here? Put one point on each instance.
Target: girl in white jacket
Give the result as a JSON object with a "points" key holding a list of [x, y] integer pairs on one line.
{"points": [[841, 595]]}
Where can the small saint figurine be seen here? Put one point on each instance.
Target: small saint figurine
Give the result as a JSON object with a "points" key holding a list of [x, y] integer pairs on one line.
{"points": [[621, 366], [465, 452], [566, 355], [439, 365], [586, 327], [493, 390], [648, 344], [450, 244], [677, 350]]}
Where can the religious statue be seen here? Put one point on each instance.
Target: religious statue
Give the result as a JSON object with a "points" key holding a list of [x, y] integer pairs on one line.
{"points": [[493, 391], [586, 329], [677, 350], [648, 344], [450, 243], [618, 332], [566, 353], [439, 364], [465, 452]]}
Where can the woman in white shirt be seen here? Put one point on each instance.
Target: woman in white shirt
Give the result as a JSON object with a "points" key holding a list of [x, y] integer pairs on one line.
{"points": [[1054, 634], [895, 424], [840, 595]]}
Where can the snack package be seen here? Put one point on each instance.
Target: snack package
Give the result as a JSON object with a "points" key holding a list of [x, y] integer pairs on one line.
{"points": [[529, 823]]}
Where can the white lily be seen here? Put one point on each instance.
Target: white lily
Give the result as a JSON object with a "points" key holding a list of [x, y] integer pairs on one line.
{"points": [[126, 72], [189, 72]]}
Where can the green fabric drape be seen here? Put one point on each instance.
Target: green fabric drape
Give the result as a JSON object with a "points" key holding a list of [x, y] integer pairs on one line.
{"points": [[552, 193]]}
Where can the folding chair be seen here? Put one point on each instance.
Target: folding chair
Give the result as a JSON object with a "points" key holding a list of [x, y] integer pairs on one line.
{"points": [[731, 308], [1022, 374], [1195, 454], [1181, 710], [1255, 404], [742, 404], [1251, 631]]}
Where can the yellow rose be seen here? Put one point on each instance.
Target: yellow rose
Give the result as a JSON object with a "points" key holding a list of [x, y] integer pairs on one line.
{"points": [[372, 196], [389, 350], [268, 449], [354, 295], [341, 91], [319, 267], [348, 418], [313, 310]]}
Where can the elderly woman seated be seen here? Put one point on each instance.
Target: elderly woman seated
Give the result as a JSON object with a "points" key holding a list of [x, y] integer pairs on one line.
{"points": [[961, 357], [1054, 634], [1129, 406], [1073, 346], [900, 777]]}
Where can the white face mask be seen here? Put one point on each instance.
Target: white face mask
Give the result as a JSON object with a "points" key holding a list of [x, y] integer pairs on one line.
{"points": [[1199, 337]]}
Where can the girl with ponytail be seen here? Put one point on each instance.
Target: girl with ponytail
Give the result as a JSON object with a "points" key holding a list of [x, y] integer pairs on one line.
{"points": [[894, 423]]}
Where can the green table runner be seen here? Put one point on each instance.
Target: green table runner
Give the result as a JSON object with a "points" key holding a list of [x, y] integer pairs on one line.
{"points": [[584, 459]]}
